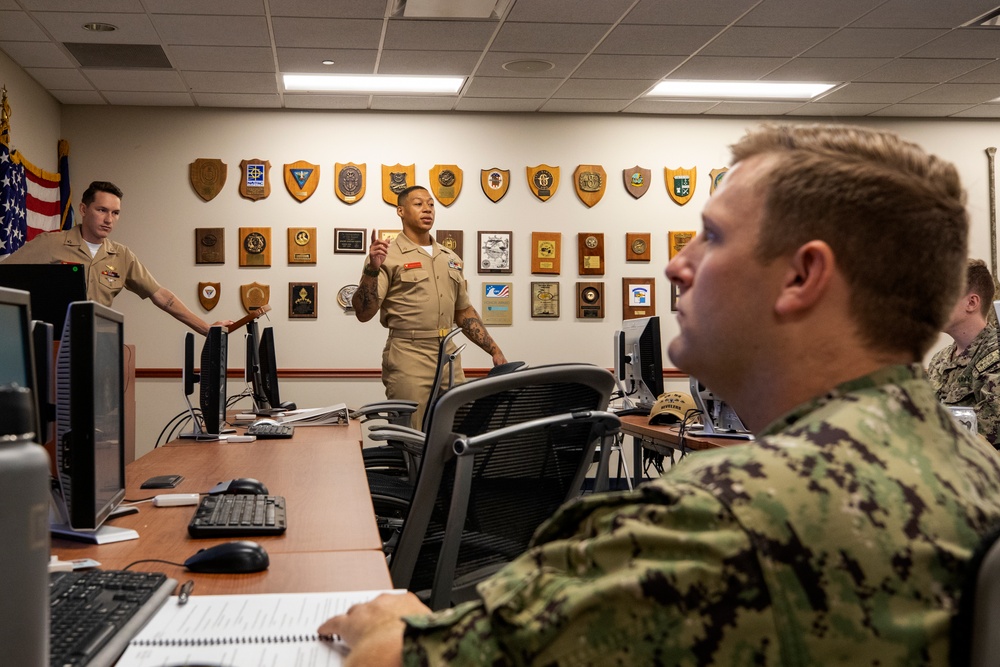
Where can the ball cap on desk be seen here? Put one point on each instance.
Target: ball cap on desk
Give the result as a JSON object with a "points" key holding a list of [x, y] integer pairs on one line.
{"points": [[671, 408]]}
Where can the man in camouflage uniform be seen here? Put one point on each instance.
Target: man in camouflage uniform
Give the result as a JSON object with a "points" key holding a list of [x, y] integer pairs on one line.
{"points": [[840, 535], [967, 372]]}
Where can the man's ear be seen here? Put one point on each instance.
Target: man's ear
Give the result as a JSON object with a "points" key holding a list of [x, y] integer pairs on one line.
{"points": [[399, 212], [973, 302], [808, 275]]}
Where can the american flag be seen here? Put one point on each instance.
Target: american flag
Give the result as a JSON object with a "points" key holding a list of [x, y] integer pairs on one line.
{"points": [[497, 291], [29, 201]]}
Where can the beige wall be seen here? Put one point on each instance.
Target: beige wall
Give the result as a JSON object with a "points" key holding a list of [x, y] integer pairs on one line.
{"points": [[35, 128]]}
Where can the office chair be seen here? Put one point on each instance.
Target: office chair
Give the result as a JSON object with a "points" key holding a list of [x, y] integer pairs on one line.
{"points": [[975, 641], [501, 455]]}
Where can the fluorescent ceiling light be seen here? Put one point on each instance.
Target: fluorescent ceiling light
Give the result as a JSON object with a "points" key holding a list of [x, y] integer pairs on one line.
{"points": [[373, 83], [747, 90]]}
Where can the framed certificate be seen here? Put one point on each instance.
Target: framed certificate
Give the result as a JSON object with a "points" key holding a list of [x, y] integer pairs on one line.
{"points": [[545, 300], [495, 252], [349, 240]]}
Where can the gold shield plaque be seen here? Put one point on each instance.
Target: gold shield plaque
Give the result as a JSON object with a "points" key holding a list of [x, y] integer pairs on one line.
{"points": [[349, 181], [590, 181], [636, 180], [716, 176], [256, 181], [495, 182], [254, 296], [301, 179], [208, 175], [208, 295], [395, 179], [543, 180], [680, 183], [677, 240], [446, 183]]}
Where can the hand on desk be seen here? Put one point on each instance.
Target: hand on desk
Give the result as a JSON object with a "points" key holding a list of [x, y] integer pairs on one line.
{"points": [[374, 630]]}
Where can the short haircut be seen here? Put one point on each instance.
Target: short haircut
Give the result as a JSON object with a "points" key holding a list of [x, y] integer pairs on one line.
{"points": [[893, 214], [100, 186], [979, 281], [401, 197]]}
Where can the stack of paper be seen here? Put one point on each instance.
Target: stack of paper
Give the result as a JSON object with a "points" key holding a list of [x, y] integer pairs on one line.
{"points": [[329, 416]]}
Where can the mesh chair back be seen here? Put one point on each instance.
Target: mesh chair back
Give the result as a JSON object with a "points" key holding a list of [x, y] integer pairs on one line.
{"points": [[511, 483], [974, 638]]}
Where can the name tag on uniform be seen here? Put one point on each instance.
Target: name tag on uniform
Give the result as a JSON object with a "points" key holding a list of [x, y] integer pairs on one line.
{"points": [[413, 265]]}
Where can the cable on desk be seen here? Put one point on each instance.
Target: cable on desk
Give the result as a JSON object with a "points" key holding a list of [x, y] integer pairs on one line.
{"points": [[152, 560], [690, 414]]}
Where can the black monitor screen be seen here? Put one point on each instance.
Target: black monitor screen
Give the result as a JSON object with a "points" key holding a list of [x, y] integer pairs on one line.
{"points": [[213, 380], [644, 353], [16, 353], [269, 368], [52, 287]]}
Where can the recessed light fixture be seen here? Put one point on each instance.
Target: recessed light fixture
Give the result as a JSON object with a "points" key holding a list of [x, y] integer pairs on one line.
{"points": [[528, 66], [327, 62], [100, 27], [373, 83], [746, 90]]}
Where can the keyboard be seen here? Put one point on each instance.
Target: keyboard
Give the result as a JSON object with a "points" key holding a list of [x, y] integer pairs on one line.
{"points": [[238, 515], [265, 431], [95, 613]]}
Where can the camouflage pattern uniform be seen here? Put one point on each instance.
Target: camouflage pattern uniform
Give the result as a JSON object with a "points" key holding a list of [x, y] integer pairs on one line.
{"points": [[838, 537], [972, 379]]}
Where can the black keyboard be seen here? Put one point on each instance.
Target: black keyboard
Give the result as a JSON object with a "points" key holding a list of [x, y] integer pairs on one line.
{"points": [[94, 614], [264, 431], [236, 515]]}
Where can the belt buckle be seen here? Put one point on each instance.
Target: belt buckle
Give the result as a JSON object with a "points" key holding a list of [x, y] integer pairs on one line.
{"points": [[442, 332]]}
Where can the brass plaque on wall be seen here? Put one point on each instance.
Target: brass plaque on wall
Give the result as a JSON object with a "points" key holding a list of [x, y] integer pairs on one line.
{"points": [[450, 239], [208, 176], [498, 302], [254, 296], [255, 246], [302, 303], [545, 252], [591, 253], [446, 183], [636, 180], [349, 181], [349, 240], [637, 246], [301, 179], [495, 182], [543, 180], [210, 245], [590, 181], [681, 183], [638, 298], [256, 181], [716, 176], [208, 294], [545, 300], [677, 240], [590, 300], [395, 179], [301, 245]]}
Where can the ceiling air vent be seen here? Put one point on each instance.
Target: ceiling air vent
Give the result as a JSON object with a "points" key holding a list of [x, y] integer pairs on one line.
{"points": [[987, 20], [119, 56]]}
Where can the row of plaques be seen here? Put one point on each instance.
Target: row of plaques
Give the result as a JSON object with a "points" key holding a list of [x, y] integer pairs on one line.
{"points": [[301, 178], [638, 300]]}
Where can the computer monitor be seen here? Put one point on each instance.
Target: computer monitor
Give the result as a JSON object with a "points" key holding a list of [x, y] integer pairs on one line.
{"points": [[52, 287], [90, 418], [639, 362], [269, 368], [213, 380], [253, 372], [718, 420], [42, 337], [17, 350]]}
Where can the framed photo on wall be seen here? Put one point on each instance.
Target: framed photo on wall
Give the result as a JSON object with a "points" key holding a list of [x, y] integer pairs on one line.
{"points": [[302, 302], [495, 250]]}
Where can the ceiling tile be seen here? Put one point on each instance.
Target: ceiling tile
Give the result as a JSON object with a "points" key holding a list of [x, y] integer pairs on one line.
{"points": [[604, 89], [352, 9], [309, 101], [150, 99], [414, 103], [136, 80], [980, 111], [726, 69], [9, 5], [551, 37], [408, 35], [835, 111], [651, 105], [237, 101], [957, 93], [961, 44], [231, 82], [657, 40], [216, 7], [925, 13], [922, 70], [986, 74], [804, 14], [580, 11], [584, 106], [18, 26], [78, 96], [345, 61], [824, 69], [213, 30], [922, 110], [765, 42], [68, 27], [60, 79], [326, 33], [601, 66], [875, 92], [753, 108], [37, 54], [564, 63], [123, 6], [871, 43], [498, 105], [440, 63], [705, 12], [486, 86], [222, 58]]}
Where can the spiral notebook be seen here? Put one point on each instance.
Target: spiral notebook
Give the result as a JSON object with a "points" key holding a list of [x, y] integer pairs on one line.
{"points": [[238, 630]]}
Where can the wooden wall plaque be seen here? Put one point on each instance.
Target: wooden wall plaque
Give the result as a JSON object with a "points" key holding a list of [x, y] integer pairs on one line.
{"points": [[544, 300], [450, 239], [591, 245], [677, 240], [301, 245], [210, 245], [637, 246], [638, 298], [255, 246], [590, 301], [545, 252]]}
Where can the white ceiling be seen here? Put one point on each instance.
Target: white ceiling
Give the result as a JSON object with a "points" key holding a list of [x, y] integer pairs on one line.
{"points": [[888, 57]]}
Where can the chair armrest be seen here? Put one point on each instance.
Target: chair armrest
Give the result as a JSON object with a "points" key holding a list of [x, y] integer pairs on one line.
{"points": [[389, 411], [407, 439], [606, 423]]}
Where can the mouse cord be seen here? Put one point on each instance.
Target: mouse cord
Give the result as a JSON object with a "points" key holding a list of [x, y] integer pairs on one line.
{"points": [[136, 501], [152, 560]]}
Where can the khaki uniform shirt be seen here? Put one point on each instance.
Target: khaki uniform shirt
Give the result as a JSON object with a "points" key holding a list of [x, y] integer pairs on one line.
{"points": [[971, 379], [418, 296], [837, 538], [113, 267]]}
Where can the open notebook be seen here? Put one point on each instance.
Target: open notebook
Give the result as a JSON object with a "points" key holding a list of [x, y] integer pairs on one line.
{"points": [[238, 630]]}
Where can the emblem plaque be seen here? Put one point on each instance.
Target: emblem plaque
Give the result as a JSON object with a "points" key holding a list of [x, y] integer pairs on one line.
{"points": [[636, 180], [544, 300], [545, 252], [208, 295], [208, 176], [349, 240], [591, 253], [638, 298], [349, 181], [446, 183], [389, 235], [495, 252], [498, 303], [716, 176], [255, 246], [450, 239], [677, 240], [681, 183], [395, 179], [590, 301], [301, 179], [302, 301], [495, 182], [543, 180], [210, 245], [256, 181], [301, 245], [590, 181], [254, 297], [637, 246], [344, 297]]}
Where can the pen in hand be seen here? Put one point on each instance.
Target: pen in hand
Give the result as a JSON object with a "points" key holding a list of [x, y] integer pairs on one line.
{"points": [[185, 593]]}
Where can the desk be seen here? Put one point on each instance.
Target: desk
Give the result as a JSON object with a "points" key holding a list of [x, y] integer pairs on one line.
{"points": [[664, 439], [331, 542]]}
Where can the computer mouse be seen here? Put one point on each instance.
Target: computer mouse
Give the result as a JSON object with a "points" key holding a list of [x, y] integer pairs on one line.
{"points": [[239, 485], [268, 422], [229, 558]]}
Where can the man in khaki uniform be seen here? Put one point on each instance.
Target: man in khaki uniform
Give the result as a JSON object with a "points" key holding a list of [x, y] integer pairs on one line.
{"points": [[417, 286], [110, 266]]}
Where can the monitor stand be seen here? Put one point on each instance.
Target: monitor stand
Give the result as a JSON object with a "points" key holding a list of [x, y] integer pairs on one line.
{"points": [[198, 433], [104, 535]]}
